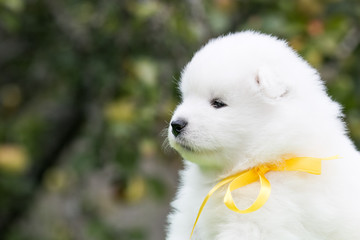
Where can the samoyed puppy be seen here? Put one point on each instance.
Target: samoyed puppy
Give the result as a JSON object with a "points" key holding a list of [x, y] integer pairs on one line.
{"points": [[249, 99]]}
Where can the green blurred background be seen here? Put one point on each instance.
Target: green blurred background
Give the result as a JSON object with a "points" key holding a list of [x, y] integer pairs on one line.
{"points": [[87, 87]]}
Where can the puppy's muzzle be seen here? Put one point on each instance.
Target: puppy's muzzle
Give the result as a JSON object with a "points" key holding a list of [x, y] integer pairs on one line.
{"points": [[178, 126]]}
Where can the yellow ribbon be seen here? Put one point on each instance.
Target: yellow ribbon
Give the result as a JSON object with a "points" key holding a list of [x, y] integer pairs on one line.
{"points": [[302, 164]]}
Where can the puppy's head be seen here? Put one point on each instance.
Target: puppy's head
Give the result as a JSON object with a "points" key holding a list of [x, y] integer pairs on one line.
{"points": [[246, 95]]}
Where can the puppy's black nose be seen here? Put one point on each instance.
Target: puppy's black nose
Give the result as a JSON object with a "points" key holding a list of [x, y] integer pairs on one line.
{"points": [[178, 126]]}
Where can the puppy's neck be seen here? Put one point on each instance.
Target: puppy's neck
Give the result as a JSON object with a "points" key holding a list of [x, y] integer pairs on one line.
{"points": [[336, 145]]}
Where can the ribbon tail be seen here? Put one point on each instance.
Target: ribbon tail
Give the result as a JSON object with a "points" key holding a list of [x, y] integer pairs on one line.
{"points": [[214, 189], [305, 164]]}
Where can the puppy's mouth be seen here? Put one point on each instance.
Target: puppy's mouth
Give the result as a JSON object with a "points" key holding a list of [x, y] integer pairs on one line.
{"points": [[181, 144], [184, 145]]}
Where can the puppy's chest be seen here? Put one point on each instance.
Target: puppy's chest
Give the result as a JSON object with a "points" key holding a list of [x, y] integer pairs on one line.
{"points": [[216, 216], [284, 203]]}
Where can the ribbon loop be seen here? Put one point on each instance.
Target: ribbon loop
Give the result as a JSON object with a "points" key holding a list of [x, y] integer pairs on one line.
{"points": [[245, 179]]}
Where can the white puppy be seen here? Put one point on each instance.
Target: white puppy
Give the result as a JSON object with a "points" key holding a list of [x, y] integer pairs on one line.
{"points": [[249, 99]]}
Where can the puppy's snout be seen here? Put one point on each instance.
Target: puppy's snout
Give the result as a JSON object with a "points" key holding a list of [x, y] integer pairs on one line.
{"points": [[178, 126]]}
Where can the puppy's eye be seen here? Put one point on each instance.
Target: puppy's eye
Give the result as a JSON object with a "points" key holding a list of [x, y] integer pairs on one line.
{"points": [[217, 103]]}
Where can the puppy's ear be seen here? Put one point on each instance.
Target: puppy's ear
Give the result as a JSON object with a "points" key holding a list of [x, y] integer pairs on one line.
{"points": [[269, 84]]}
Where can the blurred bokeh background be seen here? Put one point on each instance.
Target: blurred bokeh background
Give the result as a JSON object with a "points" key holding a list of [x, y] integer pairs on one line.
{"points": [[87, 87]]}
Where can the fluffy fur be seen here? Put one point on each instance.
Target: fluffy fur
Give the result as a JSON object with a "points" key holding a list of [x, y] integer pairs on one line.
{"points": [[276, 108]]}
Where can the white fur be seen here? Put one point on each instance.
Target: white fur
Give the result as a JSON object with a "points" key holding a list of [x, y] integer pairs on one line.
{"points": [[277, 107]]}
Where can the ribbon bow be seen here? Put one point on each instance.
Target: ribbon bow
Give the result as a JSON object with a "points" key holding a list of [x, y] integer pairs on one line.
{"points": [[302, 164]]}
